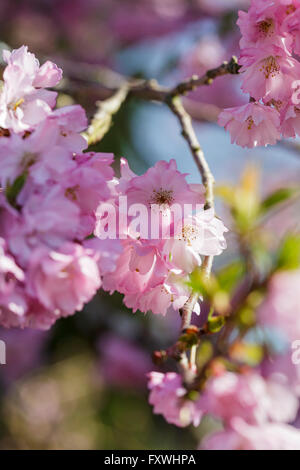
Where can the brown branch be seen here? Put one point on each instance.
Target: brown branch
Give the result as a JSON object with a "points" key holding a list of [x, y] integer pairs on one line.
{"points": [[232, 67], [176, 106], [111, 81]]}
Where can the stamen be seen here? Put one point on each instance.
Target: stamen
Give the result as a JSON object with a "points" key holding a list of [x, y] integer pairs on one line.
{"points": [[290, 9], [162, 197], [188, 234], [250, 122], [18, 103], [265, 28], [270, 67]]}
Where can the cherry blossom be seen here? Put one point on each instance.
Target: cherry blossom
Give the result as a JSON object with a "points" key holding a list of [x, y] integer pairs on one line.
{"points": [[252, 124], [24, 100], [167, 395]]}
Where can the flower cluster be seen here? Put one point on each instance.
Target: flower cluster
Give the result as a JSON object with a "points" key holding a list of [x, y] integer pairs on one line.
{"points": [[270, 74], [152, 271], [54, 195], [168, 397], [248, 405], [49, 192]]}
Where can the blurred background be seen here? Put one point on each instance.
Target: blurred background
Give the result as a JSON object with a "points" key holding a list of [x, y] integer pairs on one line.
{"points": [[82, 385]]}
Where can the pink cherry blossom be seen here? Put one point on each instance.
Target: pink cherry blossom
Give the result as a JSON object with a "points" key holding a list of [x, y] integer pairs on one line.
{"points": [[153, 273], [252, 124], [8, 267], [107, 251], [281, 307], [250, 397], [24, 101], [268, 72], [291, 23], [262, 25], [242, 436], [64, 280], [18, 155], [167, 395], [290, 121], [136, 271], [67, 123], [163, 185], [280, 368], [202, 234], [170, 294]]}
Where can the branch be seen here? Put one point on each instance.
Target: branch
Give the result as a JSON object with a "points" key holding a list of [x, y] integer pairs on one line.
{"points": [[232, 67], [102, 119], [176, 106], [150, 90]]}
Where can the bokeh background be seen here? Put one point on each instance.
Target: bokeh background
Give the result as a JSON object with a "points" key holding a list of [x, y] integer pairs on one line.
{"points": [[82, 385]]}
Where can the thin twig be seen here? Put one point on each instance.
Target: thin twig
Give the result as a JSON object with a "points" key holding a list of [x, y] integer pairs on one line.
{"points": [[188, 132], [111, 81]]}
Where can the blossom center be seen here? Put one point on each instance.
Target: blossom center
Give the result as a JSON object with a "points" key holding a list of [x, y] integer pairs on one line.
{"points": [[249, 122], [189, 233], [290, 9], [265, 27], [162, 197], [71, 192], [270, 67], [17, 104]]}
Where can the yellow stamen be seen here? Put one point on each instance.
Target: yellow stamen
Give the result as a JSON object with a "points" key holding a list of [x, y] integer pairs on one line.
{"points": [[18, 103]]}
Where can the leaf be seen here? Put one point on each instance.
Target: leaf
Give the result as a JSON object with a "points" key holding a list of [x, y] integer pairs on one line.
{"points": [[204, 353], [199, 282], [12, 191], [215, 324], [289, 253], [277, 197], [227, 193], [229, 276]]}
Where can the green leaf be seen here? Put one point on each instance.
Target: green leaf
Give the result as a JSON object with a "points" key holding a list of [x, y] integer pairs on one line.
{"points": [[289, 253], [215, 324], [277, 197], [199, 282], [204, 353], [229, 276], [12, 191]]}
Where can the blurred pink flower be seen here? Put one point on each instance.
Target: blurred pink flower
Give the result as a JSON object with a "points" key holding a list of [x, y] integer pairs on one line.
{"points": [[250, 397], [281, 307], [167, 395], [122, 362], [242, 436], [23, 352]]}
